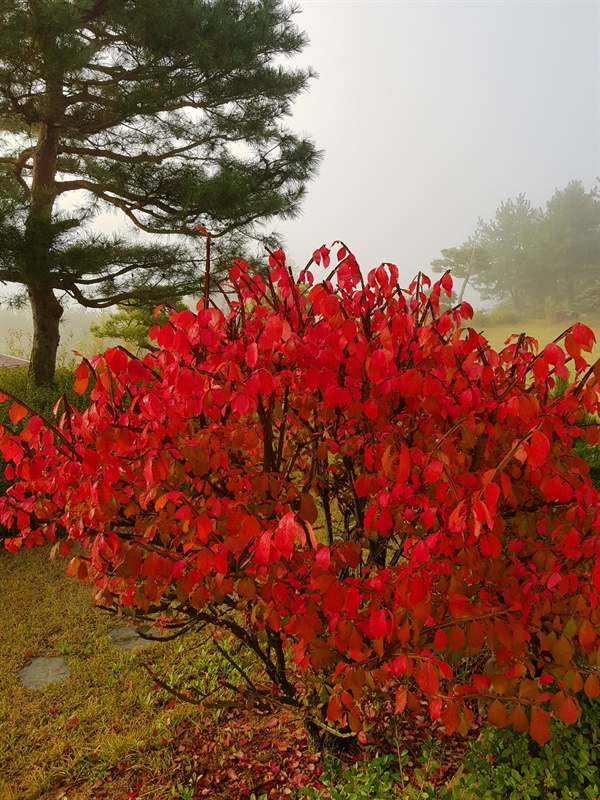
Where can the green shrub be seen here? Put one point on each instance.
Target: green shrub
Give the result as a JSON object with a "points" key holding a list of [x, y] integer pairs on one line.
{"points": [[504, 765], [383, 777], [41, 398], [503, 315], [560, 311], [373, 779], [501, 765], [591, 453]]}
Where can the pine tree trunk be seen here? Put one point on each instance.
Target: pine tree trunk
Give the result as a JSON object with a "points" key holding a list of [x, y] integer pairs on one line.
{"points": [[39, 241], [46, 311]]}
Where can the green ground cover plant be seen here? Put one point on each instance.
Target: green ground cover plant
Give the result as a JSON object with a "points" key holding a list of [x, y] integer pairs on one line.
{"points": [[504, 765]]}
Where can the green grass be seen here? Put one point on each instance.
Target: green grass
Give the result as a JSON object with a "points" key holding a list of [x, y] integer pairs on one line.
{"points": [[541, 330]]}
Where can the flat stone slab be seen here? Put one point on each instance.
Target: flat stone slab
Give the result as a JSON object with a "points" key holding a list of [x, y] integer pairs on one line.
{"points": [[42, 671], [127, 637]]}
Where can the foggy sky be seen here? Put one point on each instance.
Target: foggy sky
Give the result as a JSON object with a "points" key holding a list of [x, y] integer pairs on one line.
{"points": [[433, 113]]}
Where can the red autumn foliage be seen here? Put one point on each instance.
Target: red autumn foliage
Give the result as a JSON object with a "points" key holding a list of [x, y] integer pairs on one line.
{"points": [[351, 483]]}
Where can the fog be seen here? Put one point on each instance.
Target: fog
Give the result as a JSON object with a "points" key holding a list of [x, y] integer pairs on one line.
{"points": [[433, 113]]}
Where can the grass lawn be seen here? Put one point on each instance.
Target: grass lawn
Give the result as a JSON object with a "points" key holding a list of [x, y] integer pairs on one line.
{"points": [[541, 330], [105, 714]]}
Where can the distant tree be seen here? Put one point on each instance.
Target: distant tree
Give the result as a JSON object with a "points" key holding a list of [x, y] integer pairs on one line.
{"points": [[169, 111], [568, 246], [525, 256], [509, 240], [588, 302], [463, 262]]}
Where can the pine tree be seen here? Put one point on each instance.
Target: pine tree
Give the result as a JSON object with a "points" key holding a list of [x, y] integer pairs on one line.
{"points": [[569, 245], [168, 111], [509, 240], [463, 262]]}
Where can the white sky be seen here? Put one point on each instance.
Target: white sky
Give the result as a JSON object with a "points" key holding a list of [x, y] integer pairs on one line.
{"points": [[433, 113]]}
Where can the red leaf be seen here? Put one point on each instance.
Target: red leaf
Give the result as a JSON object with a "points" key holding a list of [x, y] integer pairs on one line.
{"points": [[263, 548], [334, 708], [308, 510], [539, 728], [432, 471], [435, 708], [553, 354], [450, 719], [285, 534], [591, 686], [420, 553], [583, 336], [353, 600], [557, 488], [491, 494], [538, 450], [116, 359], [323, 557], [240, 403], [427, 678], [377, 624], [334, 597], [458, 604], [490, 546], [362, 485], [252, 355], [273, 329], [400, 699], [384, 522], [457, 638], [497, 714], [179, 569], [518, 719], [404, 466], [568, 711], [277, 259], [371, 409], [17, 413], [446, 283], [587, 634], [82, 376]]}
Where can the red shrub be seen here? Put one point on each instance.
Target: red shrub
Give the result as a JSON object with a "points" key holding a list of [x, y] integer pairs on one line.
{"points": [[357, 487]]}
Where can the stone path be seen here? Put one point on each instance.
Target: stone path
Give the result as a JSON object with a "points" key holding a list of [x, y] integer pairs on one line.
{"points": [[43, 671], [127, 637]]}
